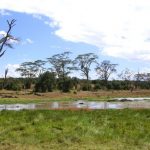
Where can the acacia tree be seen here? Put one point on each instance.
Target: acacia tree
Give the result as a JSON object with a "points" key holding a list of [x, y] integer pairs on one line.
{"points": [[39, 65], [138, 78], [7, 38], [144, 77], [62, 66], [29, 71], [105, 69], [83, 63], [126, 75]]}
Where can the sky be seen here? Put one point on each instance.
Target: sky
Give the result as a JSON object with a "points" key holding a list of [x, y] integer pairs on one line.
{"points": [[115, 30]]}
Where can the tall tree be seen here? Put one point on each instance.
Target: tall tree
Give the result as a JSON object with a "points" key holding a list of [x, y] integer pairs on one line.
{"points": [[7, 38], [39, 65], [61, 64], [127, 75], [138, 78], [105, 69], [83, 63], [29, 71]]}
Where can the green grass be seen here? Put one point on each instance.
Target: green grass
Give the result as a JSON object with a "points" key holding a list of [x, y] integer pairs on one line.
{"points": [[58, 96], [20, 100], [27, 101], [75, 130]]}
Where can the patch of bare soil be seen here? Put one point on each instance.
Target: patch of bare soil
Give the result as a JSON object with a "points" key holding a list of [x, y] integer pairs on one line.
{"points": [[71, 95]]}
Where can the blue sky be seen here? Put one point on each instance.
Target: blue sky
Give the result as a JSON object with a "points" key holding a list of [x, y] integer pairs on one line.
{"points": [[118, 32]]}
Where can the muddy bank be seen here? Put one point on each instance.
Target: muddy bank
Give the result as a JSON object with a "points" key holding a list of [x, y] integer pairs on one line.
{"points": [[129, 99]]}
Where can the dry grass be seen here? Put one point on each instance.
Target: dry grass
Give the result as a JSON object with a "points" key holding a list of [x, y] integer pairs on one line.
{"points": [[78, 95], [57, 95]]}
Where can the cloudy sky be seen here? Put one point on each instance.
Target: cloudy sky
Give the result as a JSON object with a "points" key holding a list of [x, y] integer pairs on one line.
{"points": [[116, 30]]}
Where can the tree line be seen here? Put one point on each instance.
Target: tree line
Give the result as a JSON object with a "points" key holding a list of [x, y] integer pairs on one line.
{"points": [[61, 66], [36, 76], [54, 72]]}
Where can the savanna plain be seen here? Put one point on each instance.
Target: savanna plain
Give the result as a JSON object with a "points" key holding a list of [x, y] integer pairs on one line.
{"points": [[126, 129]]}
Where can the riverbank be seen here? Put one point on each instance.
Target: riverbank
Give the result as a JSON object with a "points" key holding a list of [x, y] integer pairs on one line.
{"points": [[61, 130], [8, 97]]}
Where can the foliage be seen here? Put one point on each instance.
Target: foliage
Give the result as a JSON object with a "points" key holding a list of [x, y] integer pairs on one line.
{"points": [[39, 65], [28, 69], [105, 69], [97, 86], [84, 62], [61, 64], [127, 76], [12, 84], [27, 83], [75, 82], [46, 82], [65, 85], [85, 88]]}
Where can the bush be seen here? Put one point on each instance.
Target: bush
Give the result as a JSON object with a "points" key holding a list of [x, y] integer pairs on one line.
{"points": [[27, 84], [97, 86], [46, 82], [86, 87], [12, 84], [116, 85], [65, 85]]}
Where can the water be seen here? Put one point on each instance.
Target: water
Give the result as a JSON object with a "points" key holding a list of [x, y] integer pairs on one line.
{"points": [[81, 104], [131, 99]]}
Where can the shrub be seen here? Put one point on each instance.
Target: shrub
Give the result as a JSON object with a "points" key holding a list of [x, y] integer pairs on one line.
{"points": [[65, 85], [46, 82]]}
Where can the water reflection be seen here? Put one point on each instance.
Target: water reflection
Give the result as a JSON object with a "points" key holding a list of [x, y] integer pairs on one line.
{"points": [[17, 106], [77, 105]]}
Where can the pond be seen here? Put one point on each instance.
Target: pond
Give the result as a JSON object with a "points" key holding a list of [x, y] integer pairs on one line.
{"points": [[80, 104]]}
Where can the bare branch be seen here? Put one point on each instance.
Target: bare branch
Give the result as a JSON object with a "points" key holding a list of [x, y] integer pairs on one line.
{"points": [[7, 37]]}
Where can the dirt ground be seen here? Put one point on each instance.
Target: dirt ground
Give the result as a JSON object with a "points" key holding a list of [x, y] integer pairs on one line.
{"points": [[57, 95]]}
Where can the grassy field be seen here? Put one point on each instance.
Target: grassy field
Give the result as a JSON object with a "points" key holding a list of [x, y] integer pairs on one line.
{"points": [[75, 130], [27, 97]]}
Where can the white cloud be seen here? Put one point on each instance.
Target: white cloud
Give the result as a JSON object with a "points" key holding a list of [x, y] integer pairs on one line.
{"points": [[27, 41], [37, 16], [4, 13], [120, 28], [11, 70], [2, 34]]}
